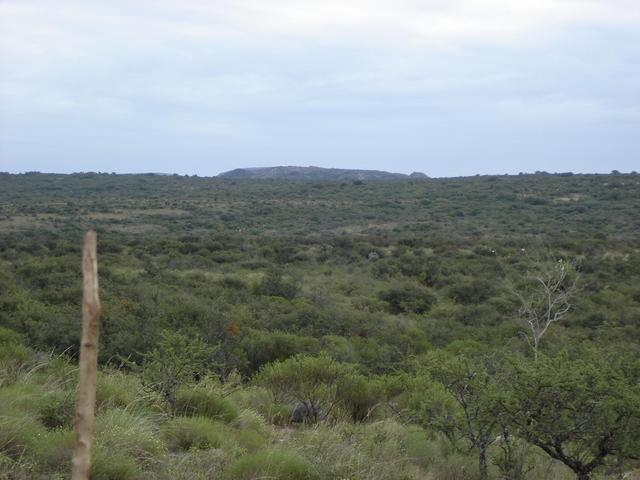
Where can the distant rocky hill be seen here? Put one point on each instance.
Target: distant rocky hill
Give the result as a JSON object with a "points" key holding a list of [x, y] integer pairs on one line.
{"points": [[316, 173]]}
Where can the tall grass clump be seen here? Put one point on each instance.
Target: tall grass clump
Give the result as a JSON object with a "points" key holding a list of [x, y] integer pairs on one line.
{"points": [[53, 407], [18, 433], [11, 469], [272, 463], [113, 465], [250, 420], [52, 451], [374, 451], [184, 433], [21, 396], [55, 372], [134, 434], [262, 400], [251, 431], [197, 464], [197, 401], [119, 389]]}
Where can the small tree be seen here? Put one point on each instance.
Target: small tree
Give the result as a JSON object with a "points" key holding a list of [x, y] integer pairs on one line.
{"points": [[319, 382], [462, 403], [545, 295], [579, 412], [177, 359]]}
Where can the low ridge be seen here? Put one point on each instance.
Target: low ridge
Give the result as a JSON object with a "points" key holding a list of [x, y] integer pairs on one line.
{"points": [[315, 173]]}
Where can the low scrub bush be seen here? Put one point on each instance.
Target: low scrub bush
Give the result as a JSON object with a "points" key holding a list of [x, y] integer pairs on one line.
{"points": [[206, 403], [272, 464], [184, 433], [421, 449], [256, 398], [57, 409], [14, 356], [262, 401]]}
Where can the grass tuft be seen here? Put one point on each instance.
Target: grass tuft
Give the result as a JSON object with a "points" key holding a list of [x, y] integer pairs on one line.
{"points": [[113, 466], [206, 403], [18, 432], [53, 451], [272, 463], [131, 433], [185, 433]]}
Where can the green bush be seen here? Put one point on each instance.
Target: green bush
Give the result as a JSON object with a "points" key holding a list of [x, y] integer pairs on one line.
{"points": [[271, 464], [408, 298], [314, 379], [255, 398], [177, 360], [277, 284], [13, 355], [420, 448], [205, 403], [8, 337], [358, 395], [184, 433], [57, 409]]}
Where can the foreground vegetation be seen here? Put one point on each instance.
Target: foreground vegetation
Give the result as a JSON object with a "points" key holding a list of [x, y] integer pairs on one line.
{"points": [[409, 315]]}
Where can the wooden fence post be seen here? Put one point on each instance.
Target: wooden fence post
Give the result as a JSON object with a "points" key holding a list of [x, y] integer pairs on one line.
{"points": [[85, 408]]}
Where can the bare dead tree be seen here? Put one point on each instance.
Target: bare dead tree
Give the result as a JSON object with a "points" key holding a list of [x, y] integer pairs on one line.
{"points": [[85, 408], [545, 297]]}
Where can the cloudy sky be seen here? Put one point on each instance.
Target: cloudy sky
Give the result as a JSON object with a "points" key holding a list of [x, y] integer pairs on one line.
{"points": [[447, 87]]}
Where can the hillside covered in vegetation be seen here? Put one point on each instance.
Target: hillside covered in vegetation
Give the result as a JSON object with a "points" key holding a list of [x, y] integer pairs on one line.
{"points": [[463, 328], [315, 174]]}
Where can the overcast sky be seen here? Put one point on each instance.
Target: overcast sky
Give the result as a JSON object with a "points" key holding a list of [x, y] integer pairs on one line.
{"points": [[446, 87]]}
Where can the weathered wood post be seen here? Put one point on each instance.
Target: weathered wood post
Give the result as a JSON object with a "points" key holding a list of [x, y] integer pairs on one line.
{"points": [[85, 408]]}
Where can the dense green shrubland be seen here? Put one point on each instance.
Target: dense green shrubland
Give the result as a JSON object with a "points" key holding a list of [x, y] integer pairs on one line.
{"points": [[392, 306]]}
